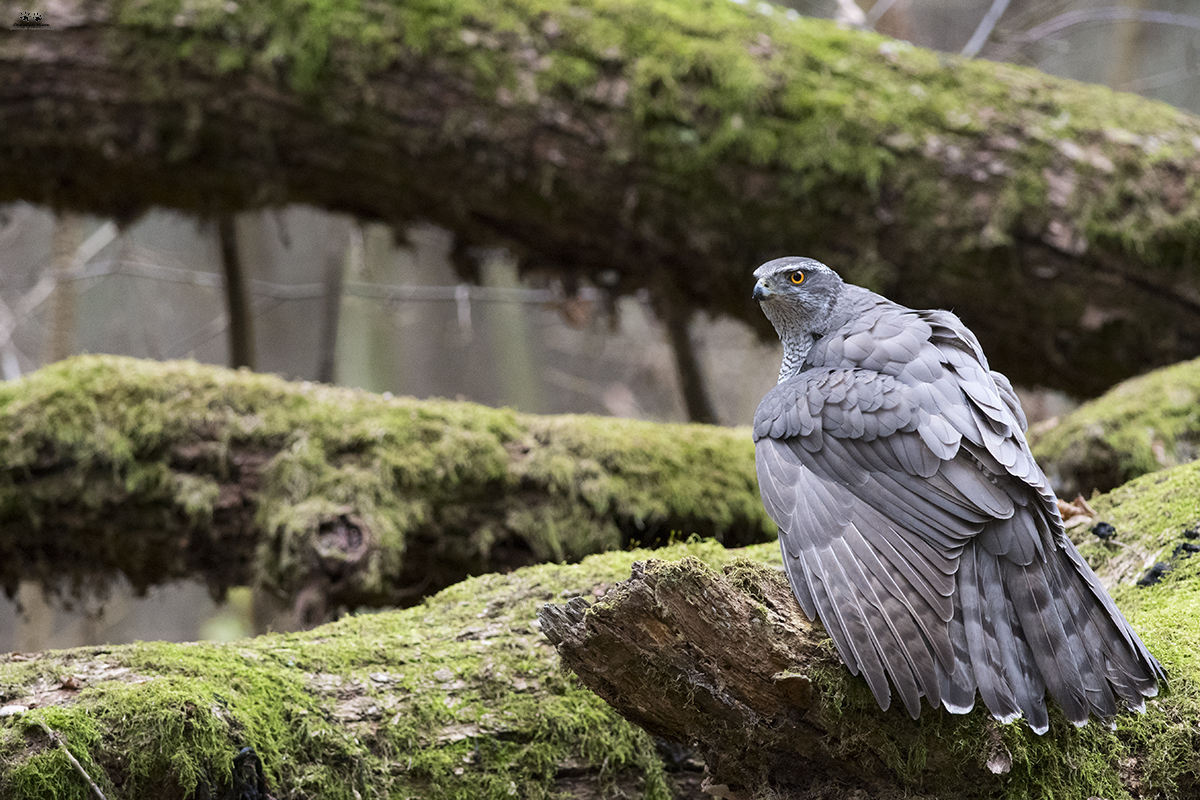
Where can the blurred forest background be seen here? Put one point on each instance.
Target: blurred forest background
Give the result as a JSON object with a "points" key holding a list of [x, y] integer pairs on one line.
{"points": [[327, 297]]}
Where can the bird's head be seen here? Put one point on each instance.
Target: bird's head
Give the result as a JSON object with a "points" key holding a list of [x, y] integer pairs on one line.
{"points": [[797, 294]]}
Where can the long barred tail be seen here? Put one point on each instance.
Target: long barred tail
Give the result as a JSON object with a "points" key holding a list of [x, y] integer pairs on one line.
{"points": [[1021, 630]]}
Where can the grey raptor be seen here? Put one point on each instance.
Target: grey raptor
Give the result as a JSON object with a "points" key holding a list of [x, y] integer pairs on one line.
{"points": [[914, 521]]}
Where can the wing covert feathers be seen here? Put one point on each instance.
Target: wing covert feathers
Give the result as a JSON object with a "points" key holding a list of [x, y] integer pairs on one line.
{"points": [[916, 525]]}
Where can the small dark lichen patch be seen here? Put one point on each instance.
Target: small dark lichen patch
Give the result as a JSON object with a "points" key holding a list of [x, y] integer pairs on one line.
{"points": [[1155, 573], [248, 781]]}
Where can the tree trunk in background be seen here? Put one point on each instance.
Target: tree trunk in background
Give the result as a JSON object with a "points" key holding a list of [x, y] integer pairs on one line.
{"points": [[1128, 43], [237, 296], [604, 140], [37, 617], [331, 308], [692, 384], [69, 231], [37, 621], [513, 360]]}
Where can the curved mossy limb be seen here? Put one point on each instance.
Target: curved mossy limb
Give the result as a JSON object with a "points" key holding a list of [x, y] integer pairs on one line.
{"points": [[460, 697], [668, 145], [166, 470], [463, 697], [1142, 425]]}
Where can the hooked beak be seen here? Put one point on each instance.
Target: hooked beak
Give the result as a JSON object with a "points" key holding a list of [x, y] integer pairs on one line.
{"points": [[762, 290]]}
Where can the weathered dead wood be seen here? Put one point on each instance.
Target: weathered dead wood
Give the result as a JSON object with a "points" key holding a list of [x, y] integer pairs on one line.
{"points": [[727, 664]]}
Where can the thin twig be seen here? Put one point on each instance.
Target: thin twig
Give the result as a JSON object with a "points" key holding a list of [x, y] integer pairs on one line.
{"points": [[880, 8], [12, 318], [1084, 16], [986, 26], [1091, 16], [54, 737]]}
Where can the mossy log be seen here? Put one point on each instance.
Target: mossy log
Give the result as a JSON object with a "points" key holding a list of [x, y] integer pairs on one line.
{"points": [[1142, 425], [726, 663], [667, 144], [332, 497], [463, 697]]}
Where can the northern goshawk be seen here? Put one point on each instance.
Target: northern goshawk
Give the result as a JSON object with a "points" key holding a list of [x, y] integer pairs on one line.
{"points": [[914, 521]]}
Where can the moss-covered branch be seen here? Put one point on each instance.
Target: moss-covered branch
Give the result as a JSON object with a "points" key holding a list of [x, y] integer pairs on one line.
{"points": [[332, 496], [669, 144], [463, 697], [728, 664], [458, 698], [1142, 425]]}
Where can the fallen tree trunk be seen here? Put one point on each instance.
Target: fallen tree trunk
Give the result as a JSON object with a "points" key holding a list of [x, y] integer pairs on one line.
{"points": [[461, 697], [666, 144], [727, 664], [332, 497], [1141, 425]]}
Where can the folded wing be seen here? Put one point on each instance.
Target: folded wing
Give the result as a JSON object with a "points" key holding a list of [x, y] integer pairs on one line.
{"points": [[916, 525]]}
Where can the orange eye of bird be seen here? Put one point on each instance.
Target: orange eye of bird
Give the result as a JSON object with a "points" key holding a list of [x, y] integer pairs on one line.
{"points": [[797, 278]]}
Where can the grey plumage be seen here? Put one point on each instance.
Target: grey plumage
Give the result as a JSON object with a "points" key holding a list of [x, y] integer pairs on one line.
{"points": [[914, 521]]}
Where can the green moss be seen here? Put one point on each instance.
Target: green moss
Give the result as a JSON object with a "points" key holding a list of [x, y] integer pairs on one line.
{"points": [[1139, 426], [1153, 515], [1166, 741], [707, 82], [146, 452], [457, 698], [45, 772], [461, 697]]}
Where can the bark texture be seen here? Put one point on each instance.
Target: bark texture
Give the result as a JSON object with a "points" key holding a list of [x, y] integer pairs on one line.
{"points": [[728, 664], [668, 144]]}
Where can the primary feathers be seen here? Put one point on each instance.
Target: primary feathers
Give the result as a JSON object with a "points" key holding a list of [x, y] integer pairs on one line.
{"points": [[914, 521]]}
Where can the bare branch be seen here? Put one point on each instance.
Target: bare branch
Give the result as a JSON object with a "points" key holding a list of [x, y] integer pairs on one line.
{"points": [[986, 26]]}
